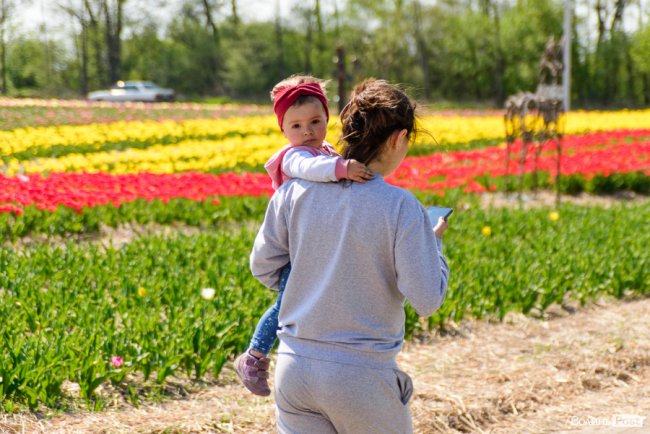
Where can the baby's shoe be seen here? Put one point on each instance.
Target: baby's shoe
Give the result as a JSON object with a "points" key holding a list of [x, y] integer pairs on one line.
{"points": [[254, 373]]}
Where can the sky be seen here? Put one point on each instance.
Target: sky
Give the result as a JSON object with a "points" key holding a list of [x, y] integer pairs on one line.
{"points": [[39, 12], [45, 14], [46, 11]]}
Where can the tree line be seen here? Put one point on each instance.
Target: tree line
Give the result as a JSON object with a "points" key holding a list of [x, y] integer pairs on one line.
{"points": [[457, 50]]}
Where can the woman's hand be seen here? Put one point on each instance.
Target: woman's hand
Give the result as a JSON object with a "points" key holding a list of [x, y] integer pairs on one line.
{"points": [[358, 172], [441, 227]]}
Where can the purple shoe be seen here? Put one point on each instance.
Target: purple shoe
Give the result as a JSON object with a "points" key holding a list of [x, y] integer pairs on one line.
{"points": [[254, 373]]}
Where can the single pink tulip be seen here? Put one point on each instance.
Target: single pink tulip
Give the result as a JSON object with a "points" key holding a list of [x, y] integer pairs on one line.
{"points": [[117, 361]]}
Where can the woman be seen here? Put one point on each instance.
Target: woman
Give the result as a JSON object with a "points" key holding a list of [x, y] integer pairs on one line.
{"points": [[357, 251]]}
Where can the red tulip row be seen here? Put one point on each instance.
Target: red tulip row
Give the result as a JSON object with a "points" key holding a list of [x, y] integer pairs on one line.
{"points": [[79, 190], [586, 155]]}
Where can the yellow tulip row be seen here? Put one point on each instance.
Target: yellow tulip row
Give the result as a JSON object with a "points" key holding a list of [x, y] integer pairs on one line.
{"points": [[198, 155], [464, 129], [439, 129], [591, 121], [21, 139], [255, 149]]}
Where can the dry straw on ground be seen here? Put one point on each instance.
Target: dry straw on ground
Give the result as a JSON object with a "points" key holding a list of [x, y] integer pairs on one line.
{"points": [[522, 375]]}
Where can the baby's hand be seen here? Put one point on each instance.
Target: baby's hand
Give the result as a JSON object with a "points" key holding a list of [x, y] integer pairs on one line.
{"points": [[441, 227], [358, 171]]}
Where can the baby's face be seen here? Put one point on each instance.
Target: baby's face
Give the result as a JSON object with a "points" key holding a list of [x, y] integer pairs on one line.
{"points": [[305, 125]]}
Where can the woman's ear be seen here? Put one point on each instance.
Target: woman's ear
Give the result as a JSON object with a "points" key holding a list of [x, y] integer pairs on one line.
{"points": [[397, 137], [403, 134]]}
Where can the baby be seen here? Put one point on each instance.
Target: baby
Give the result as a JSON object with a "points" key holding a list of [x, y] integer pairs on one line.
{"points": [[300, 105]]}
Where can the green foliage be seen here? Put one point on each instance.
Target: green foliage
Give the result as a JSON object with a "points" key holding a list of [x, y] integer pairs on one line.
{"points": [[31, 65], [246, 78], [573, 184], [68, 309], [192, 58], [524, 33], [377, 35], [468, 41], [530, 261], [640, 50], [66, 221], [476, 51], [146, 56], [640, 55]]}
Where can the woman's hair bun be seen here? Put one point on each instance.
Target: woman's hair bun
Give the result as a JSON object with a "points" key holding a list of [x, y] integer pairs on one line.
{"points": [[357, 120], [376, 109]]}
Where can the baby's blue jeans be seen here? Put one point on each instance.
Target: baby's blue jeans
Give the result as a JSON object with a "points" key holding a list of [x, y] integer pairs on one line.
{"points": [[267, 327]]}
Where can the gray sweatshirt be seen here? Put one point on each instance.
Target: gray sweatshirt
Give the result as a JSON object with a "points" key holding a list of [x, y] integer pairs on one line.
{"points": [[356, 252]]}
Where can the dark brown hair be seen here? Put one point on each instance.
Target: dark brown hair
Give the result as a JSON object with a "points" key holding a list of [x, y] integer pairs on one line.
{"points": [[376, 110]]}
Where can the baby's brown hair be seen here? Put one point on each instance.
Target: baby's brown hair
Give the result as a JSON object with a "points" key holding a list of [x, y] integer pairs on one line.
{"points": [[376, 110], [299, 79]]}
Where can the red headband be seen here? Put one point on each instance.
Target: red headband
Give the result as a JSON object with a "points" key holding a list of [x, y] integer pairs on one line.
{"points": [[287, 96]]}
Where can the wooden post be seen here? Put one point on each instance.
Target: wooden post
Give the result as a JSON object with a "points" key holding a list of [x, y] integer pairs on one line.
{"points": [[340, 76], [566, 54], [558, 193]]}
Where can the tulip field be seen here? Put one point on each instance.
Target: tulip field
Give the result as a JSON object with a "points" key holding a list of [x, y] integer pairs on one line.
{"points": [[84, 321]]}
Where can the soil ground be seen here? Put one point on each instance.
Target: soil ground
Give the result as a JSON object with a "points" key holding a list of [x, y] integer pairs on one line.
{"points": [[583, 370]]}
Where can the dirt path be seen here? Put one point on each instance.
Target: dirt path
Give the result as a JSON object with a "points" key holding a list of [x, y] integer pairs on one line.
{"points": [[546, 198], [571, 373]]}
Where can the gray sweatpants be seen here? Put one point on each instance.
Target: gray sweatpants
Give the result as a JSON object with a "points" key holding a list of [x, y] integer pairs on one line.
{"points": [[316, 396]]}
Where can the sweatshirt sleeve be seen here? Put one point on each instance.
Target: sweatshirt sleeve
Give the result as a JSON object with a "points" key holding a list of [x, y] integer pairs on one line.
{"points": [[271, 248], [422, 270], [301, 164]]}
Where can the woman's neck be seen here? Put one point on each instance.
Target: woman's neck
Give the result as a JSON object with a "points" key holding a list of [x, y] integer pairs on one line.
{"points": [[393, 152], [378, 167]]}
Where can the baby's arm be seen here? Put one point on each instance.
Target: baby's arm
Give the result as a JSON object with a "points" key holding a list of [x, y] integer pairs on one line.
{"points": [[298, 163]]}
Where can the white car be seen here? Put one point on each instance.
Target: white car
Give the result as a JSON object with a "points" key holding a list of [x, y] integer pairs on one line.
{"points": [[133, 91]]}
